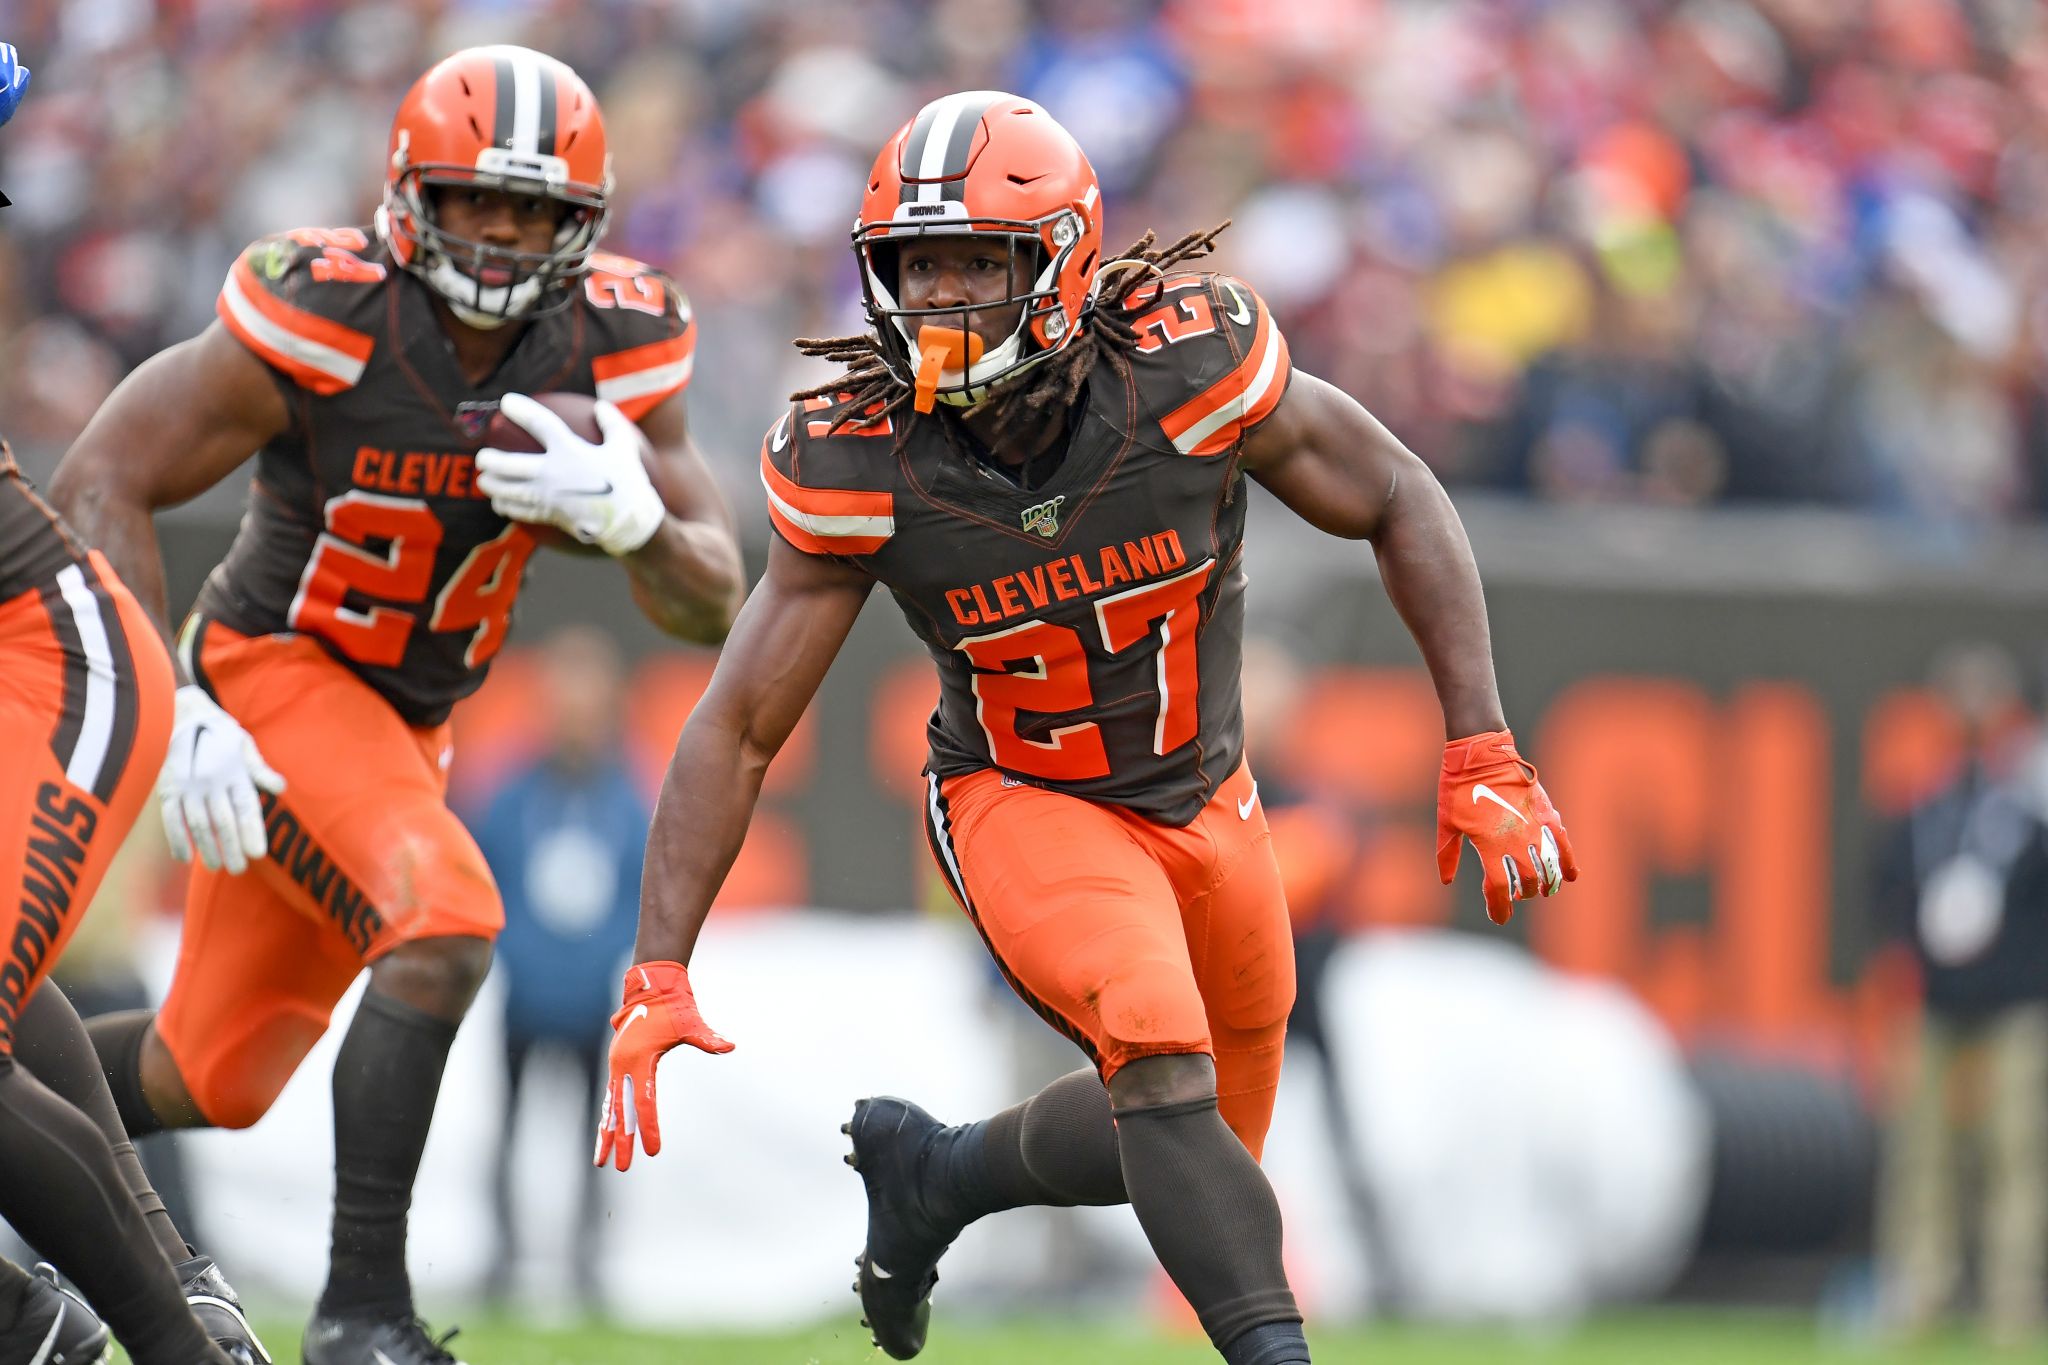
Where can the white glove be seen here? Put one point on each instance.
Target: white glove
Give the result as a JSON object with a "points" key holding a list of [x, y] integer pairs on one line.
{"points": [[599, 494], [208, 786]]}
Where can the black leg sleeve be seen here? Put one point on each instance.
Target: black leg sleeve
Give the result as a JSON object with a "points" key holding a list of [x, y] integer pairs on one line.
{"points": [[117, 1039], [51, 1041], [60, 1189], [1210, 1216], [1057, 1148], [386, 1079]]}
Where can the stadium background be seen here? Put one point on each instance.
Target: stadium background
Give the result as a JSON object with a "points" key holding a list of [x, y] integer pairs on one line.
{"points": [[1722, 321]]}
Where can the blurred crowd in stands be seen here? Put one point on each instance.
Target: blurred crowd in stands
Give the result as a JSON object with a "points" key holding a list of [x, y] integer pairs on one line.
{"points": [[1590, 250]]}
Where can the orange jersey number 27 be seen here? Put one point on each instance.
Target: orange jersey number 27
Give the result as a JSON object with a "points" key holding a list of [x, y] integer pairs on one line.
{"points": [[1055, 678], [477, 598]]}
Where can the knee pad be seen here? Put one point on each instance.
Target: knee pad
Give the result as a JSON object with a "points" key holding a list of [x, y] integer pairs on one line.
{"points": [[1151, 1007]]}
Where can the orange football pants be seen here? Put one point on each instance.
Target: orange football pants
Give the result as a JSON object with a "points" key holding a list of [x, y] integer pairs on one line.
{"points": [[85, 714], [364, 856], [1134, 939]]}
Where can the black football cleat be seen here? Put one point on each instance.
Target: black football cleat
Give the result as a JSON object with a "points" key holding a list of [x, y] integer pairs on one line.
{"points": [[54, 1327], [892, 1140], [214, 1303], [348, 1340]]}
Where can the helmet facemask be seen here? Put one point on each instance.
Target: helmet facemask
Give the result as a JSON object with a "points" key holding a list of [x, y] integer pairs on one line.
{"points": [[537, 282], [1043, 326]]}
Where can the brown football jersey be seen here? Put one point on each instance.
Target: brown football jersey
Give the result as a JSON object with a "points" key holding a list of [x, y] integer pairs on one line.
{"points": [[365, 528], [34, 543], [1088, 632]]}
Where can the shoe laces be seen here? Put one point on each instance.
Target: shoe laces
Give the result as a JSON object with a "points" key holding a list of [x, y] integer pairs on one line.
{"points": [[436, 1347]]}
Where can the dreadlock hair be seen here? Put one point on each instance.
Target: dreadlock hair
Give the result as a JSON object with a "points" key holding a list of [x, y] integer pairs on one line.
{"points": [[873, 394]]}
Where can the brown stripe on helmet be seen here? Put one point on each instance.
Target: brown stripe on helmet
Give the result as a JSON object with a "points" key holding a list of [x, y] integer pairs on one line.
{"points": [[544, 135], [503, 114], [958, 150], [912, 154]]}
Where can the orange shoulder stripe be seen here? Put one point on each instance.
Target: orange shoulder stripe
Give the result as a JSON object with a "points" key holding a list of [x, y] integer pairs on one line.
{"points": [[641, 377], [320, 353], [825, 520], [1212, 421]]}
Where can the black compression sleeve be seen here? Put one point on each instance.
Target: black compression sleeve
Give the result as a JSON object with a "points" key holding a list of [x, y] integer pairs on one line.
{"points": [[51, 1041], [60, 1189], [1209, 1213]]}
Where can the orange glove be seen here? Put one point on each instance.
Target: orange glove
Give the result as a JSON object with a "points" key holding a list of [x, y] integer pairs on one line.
{"points": [[659, 1012], [1489, 794]]}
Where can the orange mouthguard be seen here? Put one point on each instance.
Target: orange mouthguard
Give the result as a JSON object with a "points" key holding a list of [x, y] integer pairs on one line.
{"points": [[941, 348]]}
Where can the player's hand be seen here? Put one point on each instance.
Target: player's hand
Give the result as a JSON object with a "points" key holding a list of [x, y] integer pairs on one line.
{"points": [[13, 81], [599, 494], [659, 1013], [208, 786], [1489, 794]]}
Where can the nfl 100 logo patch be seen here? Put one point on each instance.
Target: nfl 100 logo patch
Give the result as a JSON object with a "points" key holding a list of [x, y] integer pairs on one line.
{"points": [[472, 417], [1044, 517]]}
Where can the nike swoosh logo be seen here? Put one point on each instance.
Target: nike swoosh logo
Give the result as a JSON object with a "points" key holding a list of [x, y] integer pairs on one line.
{"points": [[879, 1273], [1244, 807], [639, 1013], [781, 436], [1482, 792], [1243, 312], [599, 492]]}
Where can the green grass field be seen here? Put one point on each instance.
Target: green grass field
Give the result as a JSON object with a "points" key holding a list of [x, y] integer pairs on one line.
{"points": [[1647, 1338]]}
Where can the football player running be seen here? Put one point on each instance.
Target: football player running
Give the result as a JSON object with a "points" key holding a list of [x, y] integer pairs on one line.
{"points": [[1042, 454], [85, 713], [370, 585], [85, 705]]}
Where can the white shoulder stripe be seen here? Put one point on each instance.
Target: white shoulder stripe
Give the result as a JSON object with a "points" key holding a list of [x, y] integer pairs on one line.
{"points": [[831, 526], [640, 383], [1236, 408], [314, 354]]}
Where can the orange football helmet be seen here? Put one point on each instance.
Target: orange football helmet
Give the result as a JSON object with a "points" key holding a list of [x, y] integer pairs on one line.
{"points": [[504, 118], [986, 163]]}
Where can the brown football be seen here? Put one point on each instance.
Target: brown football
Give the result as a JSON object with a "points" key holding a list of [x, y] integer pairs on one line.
{"points": [[579, 411]]}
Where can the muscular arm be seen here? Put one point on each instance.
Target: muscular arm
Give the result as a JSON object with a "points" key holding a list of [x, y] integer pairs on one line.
{"points": [[1331, 461], [688, 579], [174, 428], [786, 637]]}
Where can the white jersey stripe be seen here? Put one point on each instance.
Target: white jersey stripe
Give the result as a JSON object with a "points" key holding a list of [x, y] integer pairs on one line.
{"points": [[1236, 408], [827, 527], [287, 343], [640, 383]]}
